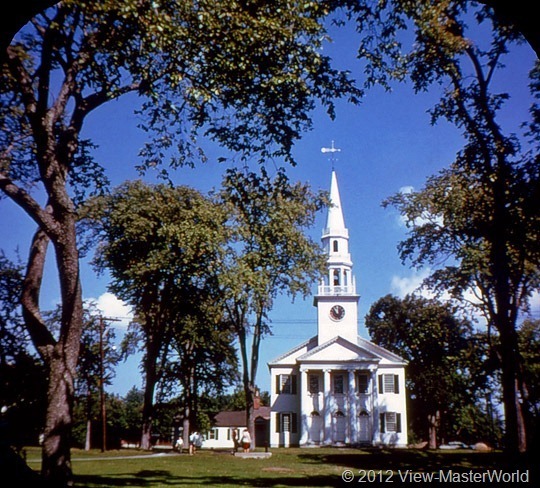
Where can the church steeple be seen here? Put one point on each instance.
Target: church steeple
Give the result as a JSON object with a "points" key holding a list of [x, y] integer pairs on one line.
{"points": [[335, 241], [336, 300]]}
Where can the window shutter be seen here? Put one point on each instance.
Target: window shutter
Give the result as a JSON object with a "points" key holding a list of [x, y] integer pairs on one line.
{"points": [[217, 434], [396, 383], [278, 384], [398, 422], [294, 428], [381, 389], [293, 384], [278, 422], [381, 419]]}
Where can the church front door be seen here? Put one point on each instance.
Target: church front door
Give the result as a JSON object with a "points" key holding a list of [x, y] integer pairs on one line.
{"points": [[363, 427], [340, 425], [315, 429]]}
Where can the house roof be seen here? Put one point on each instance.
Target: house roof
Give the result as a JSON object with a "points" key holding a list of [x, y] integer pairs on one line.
{"points": [[237, 418]]}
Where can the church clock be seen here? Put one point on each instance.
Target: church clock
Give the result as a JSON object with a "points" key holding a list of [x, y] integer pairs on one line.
{"points": [[337, 312]]}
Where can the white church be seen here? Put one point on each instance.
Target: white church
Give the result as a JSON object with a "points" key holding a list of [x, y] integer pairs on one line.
{"points": [[337, 388]]}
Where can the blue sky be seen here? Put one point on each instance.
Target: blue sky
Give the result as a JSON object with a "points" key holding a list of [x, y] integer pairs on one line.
{"points": [[387, 143]]}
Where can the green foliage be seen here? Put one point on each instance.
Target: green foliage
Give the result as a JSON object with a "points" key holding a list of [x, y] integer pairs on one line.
{"points": [[475, 224], [164, 248], [269, 254], [444, 375], [529, 347], [246, 74], [22, 374], [13, 339]]}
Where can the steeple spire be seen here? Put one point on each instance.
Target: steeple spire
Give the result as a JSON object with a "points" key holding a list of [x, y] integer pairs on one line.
{"points": [[335, 223]]}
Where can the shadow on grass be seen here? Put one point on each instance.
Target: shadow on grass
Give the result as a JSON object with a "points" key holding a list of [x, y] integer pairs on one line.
{"points": [[283, 474], [417, 460], [159, 479]]}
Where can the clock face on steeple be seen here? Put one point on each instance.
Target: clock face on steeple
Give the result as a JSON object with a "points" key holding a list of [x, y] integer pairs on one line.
{"points": [[337, 312]]}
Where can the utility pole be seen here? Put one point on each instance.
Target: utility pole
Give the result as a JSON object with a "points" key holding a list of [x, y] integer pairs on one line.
{"points": [[102, 380]]}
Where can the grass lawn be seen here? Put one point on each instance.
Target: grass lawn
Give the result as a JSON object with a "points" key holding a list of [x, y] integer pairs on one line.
{"points": [[318, 467]]}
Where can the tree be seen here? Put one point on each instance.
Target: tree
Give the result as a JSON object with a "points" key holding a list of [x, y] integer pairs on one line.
{"points": [[437, 346], [198, 72], [95, 368], [203, 359], [162, 246], [22, 374], [529, 347], [480, 217], [269, 254], [517, 14]]}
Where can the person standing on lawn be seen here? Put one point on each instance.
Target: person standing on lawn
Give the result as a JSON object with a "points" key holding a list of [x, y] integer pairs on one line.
{"points": [[246, 440]]}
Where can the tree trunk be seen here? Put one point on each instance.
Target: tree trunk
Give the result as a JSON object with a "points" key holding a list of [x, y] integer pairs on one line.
{"points": [[148, 412], [186, 426], [250, 413], [88, 437], [433, 427], [59, 355], [149, 388], [514, 421], [56, 467]]}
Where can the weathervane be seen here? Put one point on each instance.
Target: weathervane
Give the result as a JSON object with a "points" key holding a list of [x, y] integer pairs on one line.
{"points": [[331, 150]]}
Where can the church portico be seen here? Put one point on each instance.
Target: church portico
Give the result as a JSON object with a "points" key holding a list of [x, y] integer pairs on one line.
{"points": [[330, 397], [337, 388]]}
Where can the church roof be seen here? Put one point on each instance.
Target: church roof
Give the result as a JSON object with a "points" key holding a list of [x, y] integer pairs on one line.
{"points": [[381, 351], [295, 352], [338, 349]]}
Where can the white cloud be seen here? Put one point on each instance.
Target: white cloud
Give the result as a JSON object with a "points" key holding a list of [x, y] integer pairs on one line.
{"points": [[405, 285], [110, 306], [406, 189], [423, 219]]}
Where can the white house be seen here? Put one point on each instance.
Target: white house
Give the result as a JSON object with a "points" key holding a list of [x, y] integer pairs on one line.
{"points": [[337, 388], [221, 436]]}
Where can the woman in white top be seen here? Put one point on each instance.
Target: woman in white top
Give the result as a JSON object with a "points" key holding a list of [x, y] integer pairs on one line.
{"points": [[246, 440]]}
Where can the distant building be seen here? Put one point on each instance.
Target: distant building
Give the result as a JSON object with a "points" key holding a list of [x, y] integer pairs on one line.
{"points": [[221, 435], [337, 388]]}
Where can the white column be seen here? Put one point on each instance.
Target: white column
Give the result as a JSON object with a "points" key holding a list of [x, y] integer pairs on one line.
{"points": [[327, 411], [304, 417], [374, 403], [353, 421]]}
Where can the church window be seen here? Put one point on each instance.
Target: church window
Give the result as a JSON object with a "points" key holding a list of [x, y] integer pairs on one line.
{"points": [[338, 384], [390, 422], [286, 383], [388, 383], [314, 383], [336, 277], [362, 383], [286, 422], [336, 246]]}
